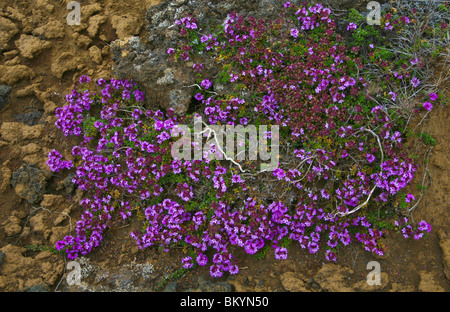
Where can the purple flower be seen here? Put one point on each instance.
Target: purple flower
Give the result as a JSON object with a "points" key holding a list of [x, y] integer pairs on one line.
{"points": [[163, 136], [325, 194], [351, 26], [280, 253], [415, 82], [190, 25], [217, 258], [204, 38], [187, 262], [206, 84], [370, 158], [56, 163], [201, 259], [409, 198], [393, 96], [243, 121], [215, 271], [199, 96], [433, 96], [294, 32], [170, 51], [184, 56], [234, 269], [84, 79], [424, 226], [330, 255], [428, 106], [101, 82], [126, 94], [279, 173], [237, 179], [197, 67], [138, 95]]}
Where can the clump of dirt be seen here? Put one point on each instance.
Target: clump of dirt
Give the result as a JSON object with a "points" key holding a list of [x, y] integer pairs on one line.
{"points": [[41, 57]]}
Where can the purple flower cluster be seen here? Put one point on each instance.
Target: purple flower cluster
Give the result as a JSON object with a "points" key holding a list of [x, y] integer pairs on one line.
{"points": [[127, 160], [311, 17], [70, 116], [100, 170], [351, 26], [206, 84], [188, 22], [407, 229], [305, 78], [254, 227], [56, 163], [427, 105], [224, 111]]}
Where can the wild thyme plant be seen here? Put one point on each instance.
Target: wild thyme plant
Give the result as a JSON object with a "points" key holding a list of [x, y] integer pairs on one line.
{"points": [[341, 152]]}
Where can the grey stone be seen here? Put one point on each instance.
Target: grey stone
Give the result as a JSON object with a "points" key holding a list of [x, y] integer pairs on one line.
{"points": [[30, 118], [124, 280], [39, 288], [4, 95], [171, 287], [215, 286], [2, 257], [69, 185], [29, 183]]}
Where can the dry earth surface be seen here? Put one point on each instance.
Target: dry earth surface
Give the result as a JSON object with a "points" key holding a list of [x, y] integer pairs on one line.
{"points": [[40, 58]]}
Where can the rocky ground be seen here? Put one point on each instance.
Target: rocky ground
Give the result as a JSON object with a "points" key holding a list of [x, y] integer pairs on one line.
{"points": [[40, 58]]}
